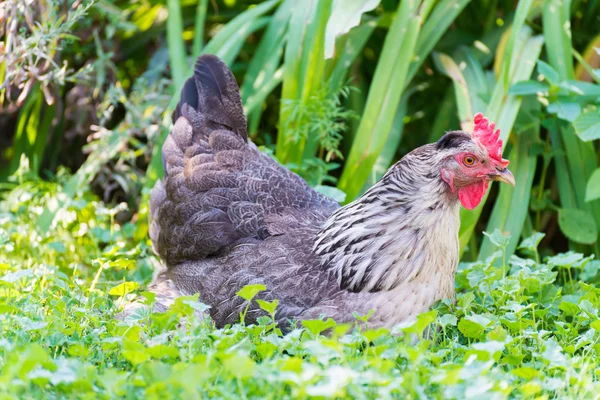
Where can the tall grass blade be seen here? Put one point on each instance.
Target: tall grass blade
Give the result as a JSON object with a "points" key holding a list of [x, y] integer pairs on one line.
{"points": [[227, 42], [442, 16], [346, 14], [198, 42], [262, 71], [449, 67], [477, 81], [391, 145], [383, 99], [354, 43], [33, 128], [176, 45], [555, 19]]}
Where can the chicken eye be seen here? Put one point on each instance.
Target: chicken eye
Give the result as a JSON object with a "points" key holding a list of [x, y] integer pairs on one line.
{"points": [[468, 160]]}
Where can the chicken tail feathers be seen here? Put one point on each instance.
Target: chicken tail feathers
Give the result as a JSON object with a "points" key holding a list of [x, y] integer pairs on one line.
{"points": [[213, 94]]}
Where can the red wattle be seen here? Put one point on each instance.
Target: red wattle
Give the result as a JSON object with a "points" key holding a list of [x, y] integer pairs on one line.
{"points": [[470, 196]]}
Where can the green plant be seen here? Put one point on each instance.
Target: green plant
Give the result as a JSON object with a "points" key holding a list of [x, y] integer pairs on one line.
{"points": [[530, 329]]}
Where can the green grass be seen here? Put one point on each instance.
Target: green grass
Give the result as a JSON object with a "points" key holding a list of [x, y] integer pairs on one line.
{"points": [[527, 329]]}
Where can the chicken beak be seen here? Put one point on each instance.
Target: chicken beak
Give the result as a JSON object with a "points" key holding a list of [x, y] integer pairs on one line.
{"points": [[503, 176]]}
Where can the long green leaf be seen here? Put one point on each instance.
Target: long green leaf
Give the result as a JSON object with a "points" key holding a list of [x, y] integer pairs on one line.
{"points": [[346, 14], [442, 16], [391, 145], [25, 134], [254, 101], [31, 135], [383, 99], [353, 46], [477, 81], [176, 44], [450, 68], [555, 18], [262, 73], [199, 27]]}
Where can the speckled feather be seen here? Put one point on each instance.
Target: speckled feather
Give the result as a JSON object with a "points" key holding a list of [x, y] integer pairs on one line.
{"points": [[226, 215]]}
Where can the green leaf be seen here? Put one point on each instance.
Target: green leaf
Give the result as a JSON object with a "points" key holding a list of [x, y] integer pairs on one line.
{"points": [[587, 125], [228, 41], [187, 305], [592, 191], [473, 326], [239, 365], [123, 263], [264, 72], [331, 192], [524, 88], [555, 21], [450, 68], [316, 326], [526, 373], [569, 308], [549, 73], [422, 322], [498, 238], [532, 242], [565, 109], [345, 15], [565, 259], [268, 306], [7, 309], [123, 288], [448, 320], [163, 351], [134, 352], [16, 276], [78, 350], [578, 225], [303, 76], [199, 27], [248, 292], [177, 54], [498, 334], [436, 24], [465, 300]]}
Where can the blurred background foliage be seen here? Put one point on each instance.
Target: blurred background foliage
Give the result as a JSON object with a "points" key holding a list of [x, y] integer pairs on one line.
{"points": [[337, 90]]}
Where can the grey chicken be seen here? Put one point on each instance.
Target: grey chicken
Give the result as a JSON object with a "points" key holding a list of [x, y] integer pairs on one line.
{"points": [[227, 215]]}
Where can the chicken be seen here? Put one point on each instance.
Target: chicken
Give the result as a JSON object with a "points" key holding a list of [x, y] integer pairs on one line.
{"points": [[227, 215]]}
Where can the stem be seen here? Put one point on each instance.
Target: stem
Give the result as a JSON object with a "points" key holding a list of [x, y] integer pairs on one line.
{"points": [[541, 189], [96, 278]]}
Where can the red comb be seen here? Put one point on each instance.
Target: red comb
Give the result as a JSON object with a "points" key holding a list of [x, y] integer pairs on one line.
{"points": [[483, 131]]}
